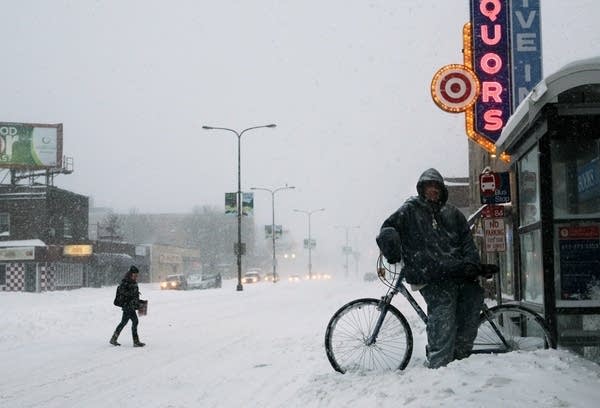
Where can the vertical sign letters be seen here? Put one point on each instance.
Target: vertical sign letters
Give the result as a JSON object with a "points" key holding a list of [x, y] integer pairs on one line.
{"points": [[491, 63], [526, 48]]}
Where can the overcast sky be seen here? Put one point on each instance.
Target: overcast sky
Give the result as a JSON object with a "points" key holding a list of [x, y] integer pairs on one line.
{"points": [[346, 82]]}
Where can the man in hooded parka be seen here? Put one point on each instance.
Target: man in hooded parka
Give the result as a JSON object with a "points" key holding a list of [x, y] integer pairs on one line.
{"points": [[439, 259]]}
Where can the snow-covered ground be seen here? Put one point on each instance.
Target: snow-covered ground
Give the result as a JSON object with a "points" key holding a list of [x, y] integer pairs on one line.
{"points": [[262, 347]]}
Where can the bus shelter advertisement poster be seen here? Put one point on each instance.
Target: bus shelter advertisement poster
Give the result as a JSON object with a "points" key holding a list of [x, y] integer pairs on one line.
{"points": [[579, 262], [29, 146]]}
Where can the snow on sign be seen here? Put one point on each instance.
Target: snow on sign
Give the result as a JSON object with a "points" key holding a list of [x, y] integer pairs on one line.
{"points": [[494, 188], [495, 235]]}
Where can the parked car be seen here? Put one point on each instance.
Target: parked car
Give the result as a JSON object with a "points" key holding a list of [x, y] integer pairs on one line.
{"points": [[178, 281], [204, 281], [251, 277]]}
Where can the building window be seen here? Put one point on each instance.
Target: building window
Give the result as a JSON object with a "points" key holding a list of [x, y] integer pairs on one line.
{"points": [[2, 274], [4, 225], [67, 228]]}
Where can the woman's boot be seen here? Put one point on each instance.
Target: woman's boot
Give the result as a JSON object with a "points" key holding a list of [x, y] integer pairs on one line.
{"points": [[137, 342], [113, 339]]}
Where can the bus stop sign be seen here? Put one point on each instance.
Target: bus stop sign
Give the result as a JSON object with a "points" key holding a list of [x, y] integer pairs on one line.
{"points": [[494, 188]]}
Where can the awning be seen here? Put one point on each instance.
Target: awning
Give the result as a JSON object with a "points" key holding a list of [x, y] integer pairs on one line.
{"points": [[23, 243], [571, 76], [115, 259]]}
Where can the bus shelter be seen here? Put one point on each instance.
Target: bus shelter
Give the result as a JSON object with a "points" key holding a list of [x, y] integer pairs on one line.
{"points": [[553, 139]]}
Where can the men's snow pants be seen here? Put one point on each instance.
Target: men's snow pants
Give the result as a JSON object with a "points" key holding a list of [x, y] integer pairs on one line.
{"points": [[453, 309]]}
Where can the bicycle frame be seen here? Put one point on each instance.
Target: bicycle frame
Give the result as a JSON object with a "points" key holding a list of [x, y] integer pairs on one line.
{"points": [[387, 300], [399, 287]]}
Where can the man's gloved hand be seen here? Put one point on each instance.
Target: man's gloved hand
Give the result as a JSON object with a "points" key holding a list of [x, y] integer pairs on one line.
{"points": [[471, 270], [390, 245], [489, 270], [460, 270]]}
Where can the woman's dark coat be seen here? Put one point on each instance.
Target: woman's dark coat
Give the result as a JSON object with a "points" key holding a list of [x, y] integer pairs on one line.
{"points": [[129, 291]]}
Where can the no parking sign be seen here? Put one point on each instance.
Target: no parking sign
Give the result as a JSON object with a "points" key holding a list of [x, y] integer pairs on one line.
{"points": [[495, 234]]}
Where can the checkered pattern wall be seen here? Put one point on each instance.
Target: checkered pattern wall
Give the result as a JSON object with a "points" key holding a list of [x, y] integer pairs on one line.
{"points": [[15, 277], [46, 277]]}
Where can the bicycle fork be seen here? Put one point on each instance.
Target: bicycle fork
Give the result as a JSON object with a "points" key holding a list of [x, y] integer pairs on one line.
{"points": [[383, 307], [485, 312]]}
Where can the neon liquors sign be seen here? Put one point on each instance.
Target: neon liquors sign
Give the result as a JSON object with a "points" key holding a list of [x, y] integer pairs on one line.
{"points": [[491, 56], [497, 71]]}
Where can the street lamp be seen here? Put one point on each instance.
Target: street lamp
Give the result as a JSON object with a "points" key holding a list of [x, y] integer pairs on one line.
{"points": [[347, 228], [286, 187], [309, 213], [238, 247]]}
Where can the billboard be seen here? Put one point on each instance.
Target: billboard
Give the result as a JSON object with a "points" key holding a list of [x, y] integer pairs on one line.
{"points": [[30, 145]]}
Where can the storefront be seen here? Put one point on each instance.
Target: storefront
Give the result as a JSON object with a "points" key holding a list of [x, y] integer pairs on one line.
{"points": [[554, 142], [22, 267]]}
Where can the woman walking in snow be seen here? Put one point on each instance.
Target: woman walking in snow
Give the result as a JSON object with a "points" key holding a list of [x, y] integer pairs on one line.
{"points": [[128, 298]]}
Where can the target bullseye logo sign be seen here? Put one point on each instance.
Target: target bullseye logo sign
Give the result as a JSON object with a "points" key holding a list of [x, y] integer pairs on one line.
{"points": [[454, 88]]}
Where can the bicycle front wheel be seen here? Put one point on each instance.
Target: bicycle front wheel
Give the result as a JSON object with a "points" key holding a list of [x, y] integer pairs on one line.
{"points": [[506, 328], [349, 333]]}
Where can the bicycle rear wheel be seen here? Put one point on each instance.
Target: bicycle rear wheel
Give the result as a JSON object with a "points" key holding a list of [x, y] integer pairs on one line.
{"points": [[506, 328], [348, 332]]}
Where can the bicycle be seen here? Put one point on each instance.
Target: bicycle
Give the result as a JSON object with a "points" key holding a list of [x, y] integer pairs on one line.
{"points": [[370, 334]]}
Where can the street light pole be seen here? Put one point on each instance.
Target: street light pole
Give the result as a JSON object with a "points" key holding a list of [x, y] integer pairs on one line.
{"points": [[347, 228], [309, 213], [238, 248], [286, 187]]}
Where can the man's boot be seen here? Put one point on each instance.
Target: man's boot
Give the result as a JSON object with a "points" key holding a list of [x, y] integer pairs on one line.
{"points": [[113, 339], [137, 342]]}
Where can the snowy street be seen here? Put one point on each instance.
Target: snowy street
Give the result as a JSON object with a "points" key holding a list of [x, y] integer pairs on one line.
{"points": [[262, 347]]}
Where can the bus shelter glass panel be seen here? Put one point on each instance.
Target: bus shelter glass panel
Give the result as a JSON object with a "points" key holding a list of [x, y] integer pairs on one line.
{"points": [[575, 153], [506, 263], [577, 263], [532, 267], [529, 192], [576, 177]]}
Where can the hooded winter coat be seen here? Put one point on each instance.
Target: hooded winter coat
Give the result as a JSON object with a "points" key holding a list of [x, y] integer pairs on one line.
{"points": [[129, 291], [435, 240]]}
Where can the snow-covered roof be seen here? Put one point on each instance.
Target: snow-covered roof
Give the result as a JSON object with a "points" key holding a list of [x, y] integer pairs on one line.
{"points": [[572, 75], [22, 243]]}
